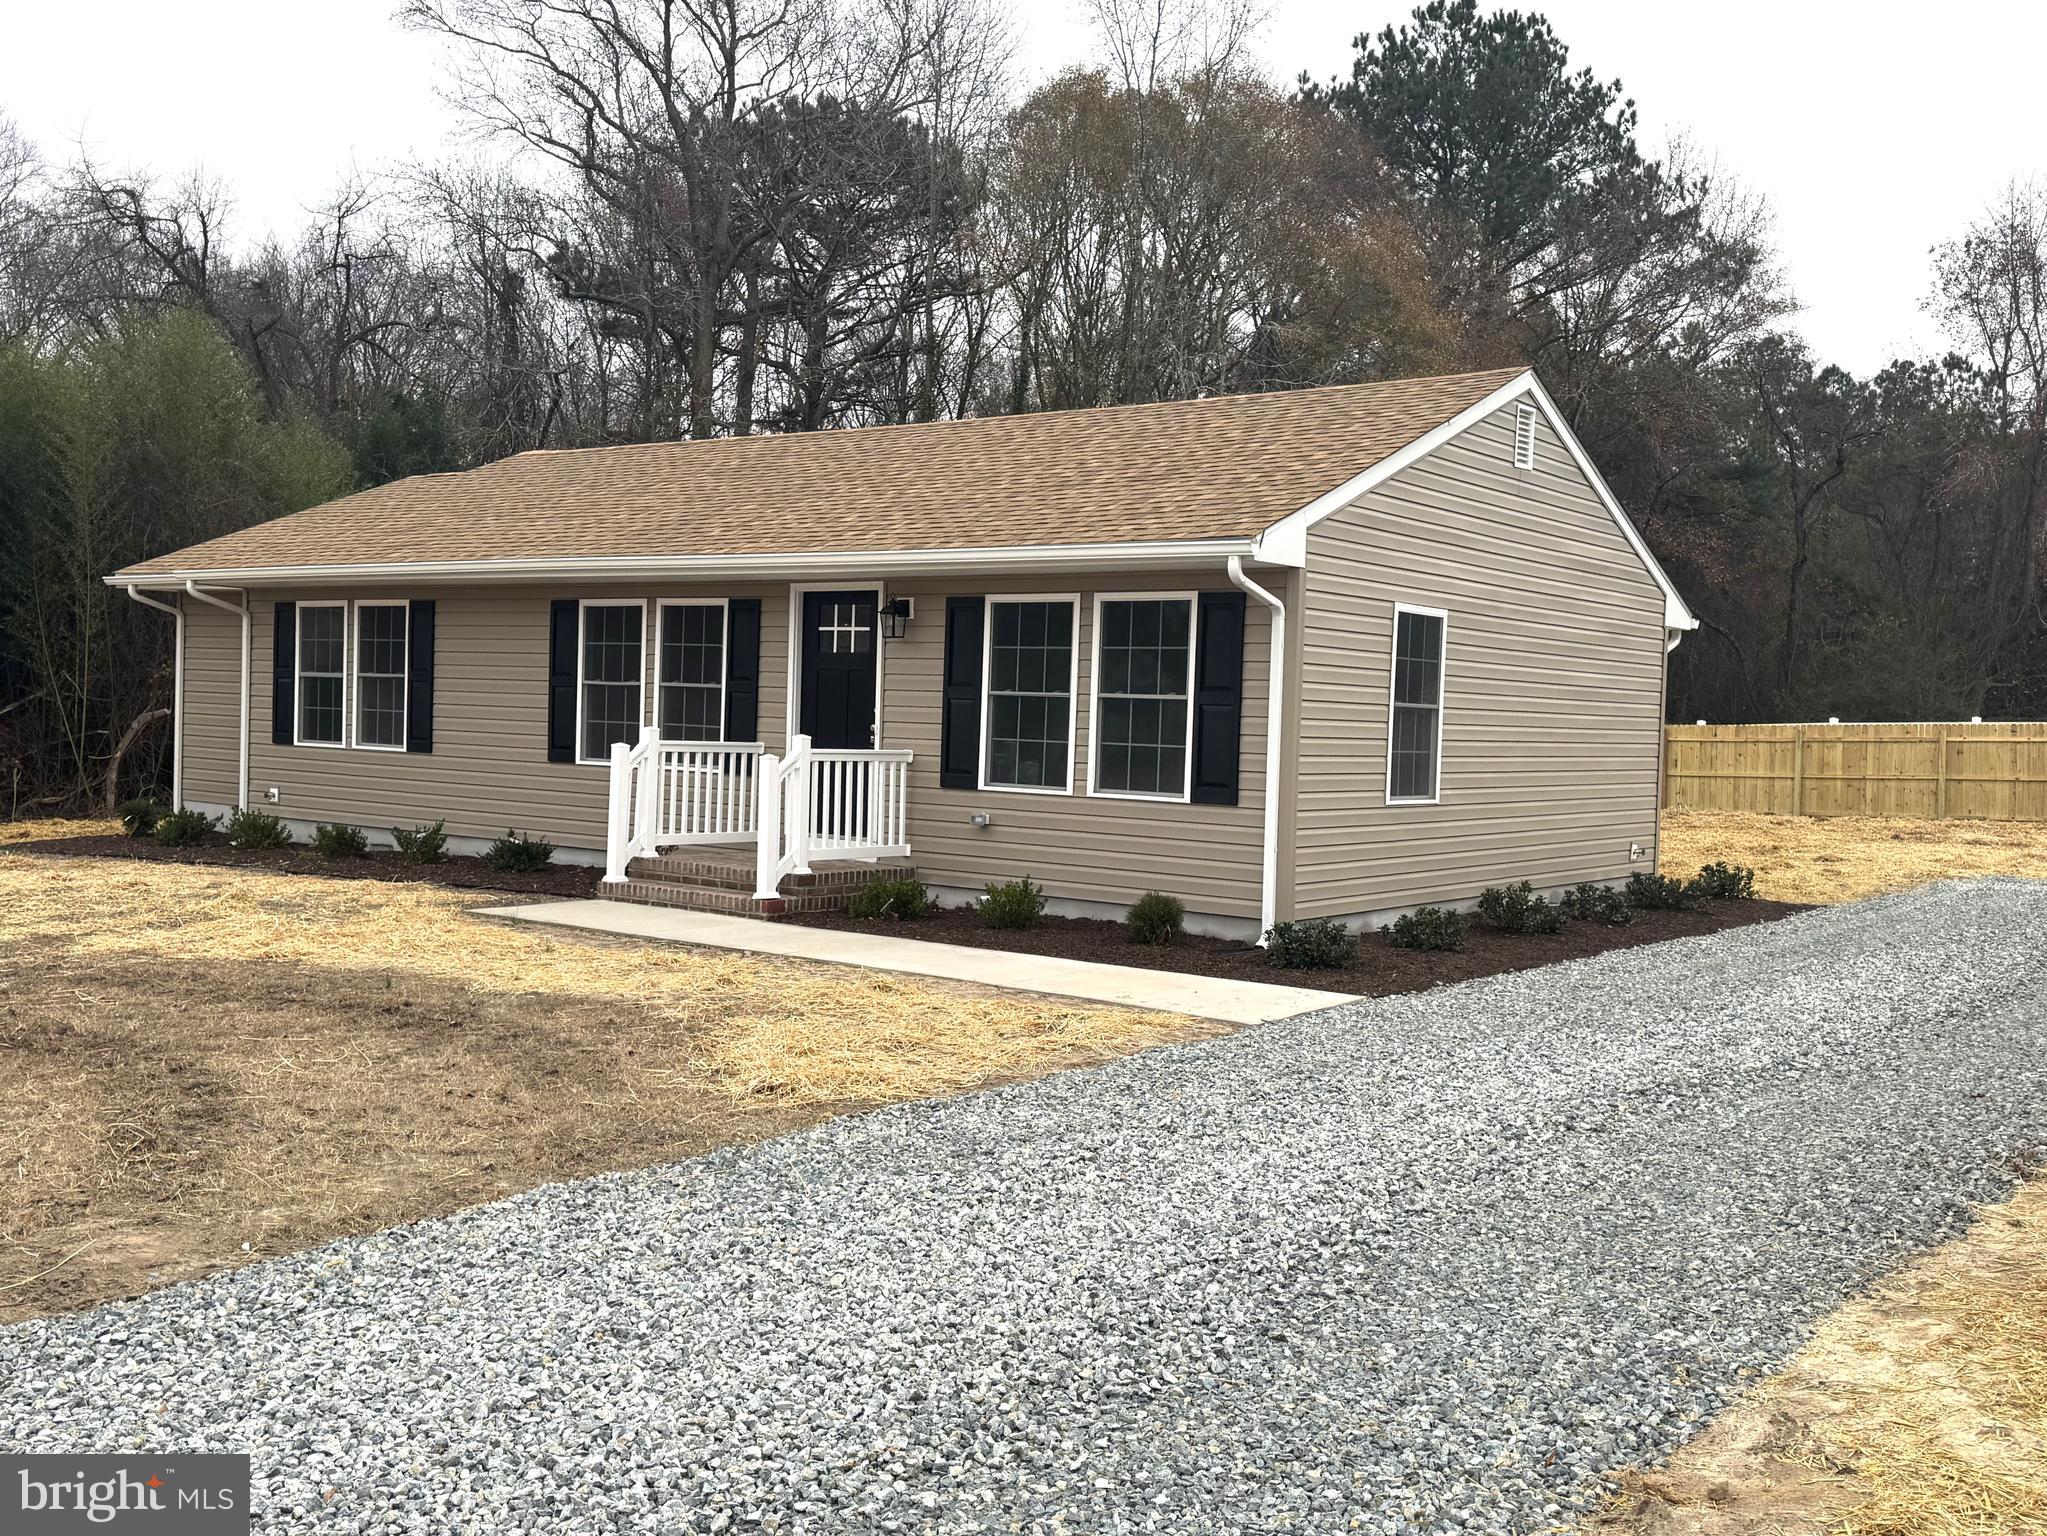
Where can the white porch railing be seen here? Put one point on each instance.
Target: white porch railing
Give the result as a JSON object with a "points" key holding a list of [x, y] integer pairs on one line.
{"points": [[814, 801]]}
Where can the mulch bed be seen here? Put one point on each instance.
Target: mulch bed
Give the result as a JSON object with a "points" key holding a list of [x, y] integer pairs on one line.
{"points": [[1379, 970], [564, 880]]}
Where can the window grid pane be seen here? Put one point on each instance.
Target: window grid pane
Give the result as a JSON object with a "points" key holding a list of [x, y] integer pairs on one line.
{"points": [[322, 652], [692, 693], [1417, 707], [1030, 693], [380, 676], [1141, 728], [612, 652]]}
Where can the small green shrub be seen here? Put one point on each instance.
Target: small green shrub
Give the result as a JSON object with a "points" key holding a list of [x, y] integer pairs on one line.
{"points": [[139, 817], [422, 845], [334, 841], [1517, 909], [1591, 903], [898, 896], [1428, 928], [1155, 918], [1660, 893], [256, 829], [182, 829], [514, 854], [1319, 944], [1018, 904], [1725, 882]]}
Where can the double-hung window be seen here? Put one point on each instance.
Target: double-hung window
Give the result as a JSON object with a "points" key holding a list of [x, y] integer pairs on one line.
{"points": [[380, 675], [611, 662], [1029, 707], [1414, 745], [322, 665], [691, 698], [1142, 722]]}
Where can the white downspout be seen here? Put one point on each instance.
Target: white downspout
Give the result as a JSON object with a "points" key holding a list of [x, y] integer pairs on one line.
{"points": [[177, 694], [241, 608], [1275, 705]]}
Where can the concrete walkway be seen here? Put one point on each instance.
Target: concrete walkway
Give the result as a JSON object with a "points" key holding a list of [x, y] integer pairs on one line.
{"points": [[1201, 997]]}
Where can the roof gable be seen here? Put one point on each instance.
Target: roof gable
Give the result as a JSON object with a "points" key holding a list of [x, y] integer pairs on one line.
{"points": [[1285, 541]]}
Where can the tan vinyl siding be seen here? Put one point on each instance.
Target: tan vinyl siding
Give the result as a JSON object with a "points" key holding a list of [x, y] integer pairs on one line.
{"points": [[1552, 691], [1079, 846], [488, 770], [212, 703]]}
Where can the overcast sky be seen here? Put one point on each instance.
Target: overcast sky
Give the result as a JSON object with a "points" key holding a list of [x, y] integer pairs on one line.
{"points": [[1874, 131]]}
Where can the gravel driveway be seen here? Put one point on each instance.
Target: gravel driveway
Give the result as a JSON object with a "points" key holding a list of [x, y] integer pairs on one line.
{"points": [[1422, 1263]]}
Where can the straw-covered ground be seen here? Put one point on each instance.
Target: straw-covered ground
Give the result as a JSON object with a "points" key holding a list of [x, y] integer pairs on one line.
{"points": [[1918, 1410], [202, 1066], [1835, 859]]}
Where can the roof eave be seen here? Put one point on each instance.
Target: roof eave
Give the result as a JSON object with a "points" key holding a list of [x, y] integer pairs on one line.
{"points": [[1031, 558]]}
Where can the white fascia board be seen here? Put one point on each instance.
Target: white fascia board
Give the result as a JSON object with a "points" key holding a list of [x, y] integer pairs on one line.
{"points": [[1286, 541], [1150, 555]]}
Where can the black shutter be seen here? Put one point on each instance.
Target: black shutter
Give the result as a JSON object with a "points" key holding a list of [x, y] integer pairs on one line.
{"points": [[959, 732], [1218, 697], [743, 669], [419, 686], [561, 681], [284, 639]]}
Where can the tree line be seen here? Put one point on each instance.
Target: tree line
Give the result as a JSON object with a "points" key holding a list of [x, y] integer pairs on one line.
{"points": [[792, 215]]}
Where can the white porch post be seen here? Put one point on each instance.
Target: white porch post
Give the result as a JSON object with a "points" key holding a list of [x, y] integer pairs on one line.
{"points": [[799, 805], [647, 807], [618, 822], [768, 829]]}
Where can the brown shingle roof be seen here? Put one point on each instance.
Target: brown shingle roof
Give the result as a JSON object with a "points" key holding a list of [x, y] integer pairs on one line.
{"points": [[1220, 468]]}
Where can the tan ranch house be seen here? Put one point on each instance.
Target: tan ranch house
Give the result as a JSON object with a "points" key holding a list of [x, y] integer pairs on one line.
{"points": [[1321, 653]]}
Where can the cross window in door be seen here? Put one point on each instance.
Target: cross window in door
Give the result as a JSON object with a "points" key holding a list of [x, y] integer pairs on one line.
{"points": [[843, 629]]}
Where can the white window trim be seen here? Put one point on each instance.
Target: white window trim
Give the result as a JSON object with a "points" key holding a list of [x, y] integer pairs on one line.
{"points": [[724, 605], [1094, 700], [1072, 600], [583, 606], [298, 675], [351, 685], [1442, 700]]}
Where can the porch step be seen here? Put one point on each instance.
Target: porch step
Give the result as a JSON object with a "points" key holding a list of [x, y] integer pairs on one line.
{"points": [[708, 882]]}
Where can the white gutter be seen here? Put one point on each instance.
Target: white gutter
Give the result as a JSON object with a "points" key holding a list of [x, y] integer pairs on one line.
{"points": [[241, 608], [177, 695], [1275, 706], [1151, 554]]}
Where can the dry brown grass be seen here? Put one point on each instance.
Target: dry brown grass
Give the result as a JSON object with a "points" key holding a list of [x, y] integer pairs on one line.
{"points": [[195, 1058], [1834, 859], [51, 828], [1920, 1410]]}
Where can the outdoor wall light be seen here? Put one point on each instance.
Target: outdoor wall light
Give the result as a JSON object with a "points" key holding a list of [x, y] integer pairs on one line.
{"points": [[895, 618]]}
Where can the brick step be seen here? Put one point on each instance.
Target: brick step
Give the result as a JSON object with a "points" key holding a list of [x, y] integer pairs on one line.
{"points": [[720, 874], [703, 898]]}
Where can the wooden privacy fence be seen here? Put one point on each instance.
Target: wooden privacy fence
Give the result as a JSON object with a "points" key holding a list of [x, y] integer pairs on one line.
{"points": [[1979, 772]]}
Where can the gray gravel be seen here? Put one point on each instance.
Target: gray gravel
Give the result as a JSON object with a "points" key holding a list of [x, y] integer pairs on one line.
{"points": [[1432, 1262]]}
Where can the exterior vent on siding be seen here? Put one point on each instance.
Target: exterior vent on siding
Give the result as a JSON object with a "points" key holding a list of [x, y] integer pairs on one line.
{"points": [[1524, 437]]}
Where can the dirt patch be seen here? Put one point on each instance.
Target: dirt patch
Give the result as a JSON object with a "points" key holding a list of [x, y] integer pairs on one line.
{"points": [[1920, 1410], [1845, 858], [201, 1066], [1378, 971], [568, 881]]}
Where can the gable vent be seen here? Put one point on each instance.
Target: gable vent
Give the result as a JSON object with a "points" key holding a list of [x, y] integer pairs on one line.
{"points": [[1524, 437]]}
